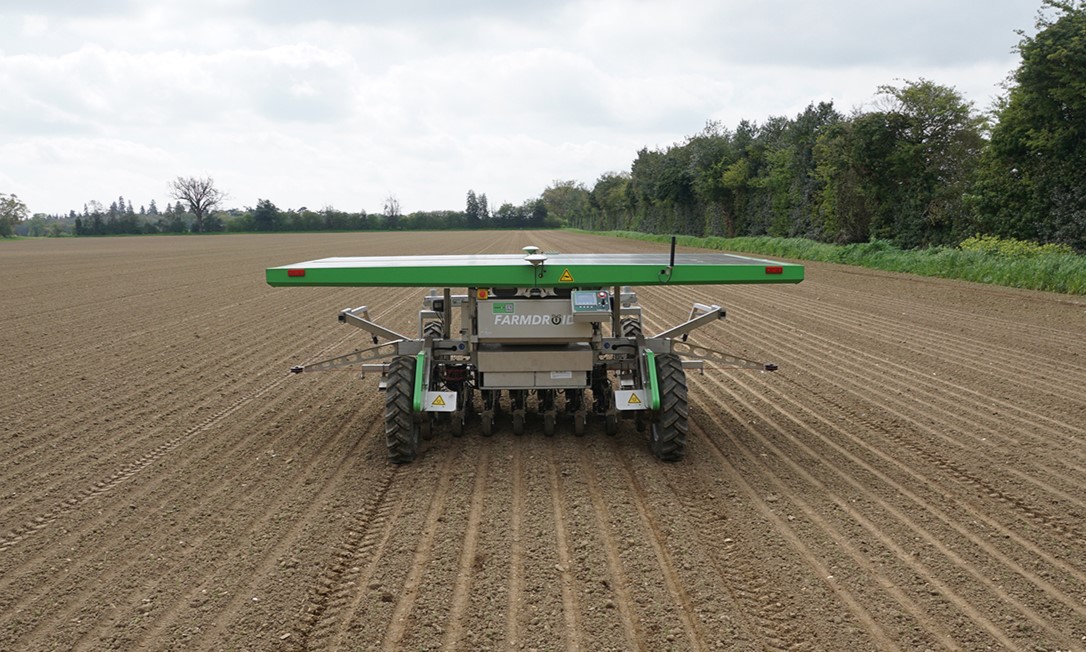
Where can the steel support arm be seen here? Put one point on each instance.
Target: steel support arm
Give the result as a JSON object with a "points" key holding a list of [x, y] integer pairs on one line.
{"points": [[700, 353], [707, 314], [386, 350], [360, 317]]}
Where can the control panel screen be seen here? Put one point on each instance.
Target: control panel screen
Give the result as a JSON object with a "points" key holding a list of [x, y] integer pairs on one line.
{"points": [[590, 301]]}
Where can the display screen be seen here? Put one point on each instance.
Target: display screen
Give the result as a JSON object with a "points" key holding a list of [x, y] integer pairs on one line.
{"points": [[590, 300]]}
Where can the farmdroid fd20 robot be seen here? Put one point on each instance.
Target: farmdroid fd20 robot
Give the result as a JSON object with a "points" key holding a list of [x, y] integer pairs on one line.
{"points": [[561, 333]]}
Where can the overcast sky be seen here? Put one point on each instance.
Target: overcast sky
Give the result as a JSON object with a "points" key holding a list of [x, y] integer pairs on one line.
{"points": [[333, 102]]}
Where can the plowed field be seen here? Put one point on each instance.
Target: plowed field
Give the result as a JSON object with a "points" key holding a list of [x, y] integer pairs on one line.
{"points": [[914, 476]]}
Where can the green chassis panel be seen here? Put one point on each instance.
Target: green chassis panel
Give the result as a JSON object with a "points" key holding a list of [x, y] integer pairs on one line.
{"points": [[512, 270]]}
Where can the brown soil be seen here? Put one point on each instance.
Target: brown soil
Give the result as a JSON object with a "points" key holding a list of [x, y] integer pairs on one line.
{"points": [[914, 476]]}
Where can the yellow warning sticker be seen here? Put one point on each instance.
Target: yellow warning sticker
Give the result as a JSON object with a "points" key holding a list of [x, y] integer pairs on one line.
{"points": [[634, 400], [438, 401], [566, 277]]}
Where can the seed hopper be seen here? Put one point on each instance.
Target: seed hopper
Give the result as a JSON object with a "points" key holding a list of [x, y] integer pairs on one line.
{"points": [[561, 335]]}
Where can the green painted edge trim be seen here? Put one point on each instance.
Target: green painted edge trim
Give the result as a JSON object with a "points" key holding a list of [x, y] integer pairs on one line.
{"points": [[654, 390], [527, 276], [420, 368]]}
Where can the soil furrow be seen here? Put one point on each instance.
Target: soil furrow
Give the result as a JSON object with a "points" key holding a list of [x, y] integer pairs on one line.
{"points": [[885, 539], [767, 615], [336, 596], [424, 550], [162, 499], [618, 583], [126, 472], [910, 380], [864, 380], [156, 397], [454, 630], [571, 609], [949, 341], [278, 555], [674, 585], [920, 475], [516, 557], [869, 389], [912, 478], [815, 561]]}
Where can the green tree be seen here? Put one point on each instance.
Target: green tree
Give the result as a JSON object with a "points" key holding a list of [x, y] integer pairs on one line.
{"points": [[790, 177], [12, 211], [507, 216], [36, 225], [484, 209], [939, 141], [567, 201], [711, 151], [1033, 184], [902, 173], [200, 195], [536, 210], [854, 167], [392, 212], [471, 211], [266, 216], [609, 202]]}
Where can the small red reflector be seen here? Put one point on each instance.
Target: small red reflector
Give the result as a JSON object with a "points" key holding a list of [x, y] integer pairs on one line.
{"points": [[295, 272], [774, 269], [482, 294]]}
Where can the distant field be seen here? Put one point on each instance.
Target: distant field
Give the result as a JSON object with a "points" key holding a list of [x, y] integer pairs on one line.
{"points": [[914, 476]]}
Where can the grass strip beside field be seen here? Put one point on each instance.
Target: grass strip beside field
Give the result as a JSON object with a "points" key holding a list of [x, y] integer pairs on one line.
{"points": [[1051, 272]]}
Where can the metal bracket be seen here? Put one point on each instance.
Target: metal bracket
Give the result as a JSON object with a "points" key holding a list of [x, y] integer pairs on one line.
{"points": [[386, 350], [457, 300], [720, 359], [360, 317], [700, 315]]}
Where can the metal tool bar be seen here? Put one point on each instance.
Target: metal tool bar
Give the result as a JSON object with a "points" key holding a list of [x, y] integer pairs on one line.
{"points": [[386, 350]]}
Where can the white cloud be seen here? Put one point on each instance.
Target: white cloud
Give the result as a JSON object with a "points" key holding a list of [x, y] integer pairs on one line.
{"points": [[326, 102]]}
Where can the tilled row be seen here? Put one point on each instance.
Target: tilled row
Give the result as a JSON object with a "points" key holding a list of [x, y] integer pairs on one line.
{"points": [[851, 500]]}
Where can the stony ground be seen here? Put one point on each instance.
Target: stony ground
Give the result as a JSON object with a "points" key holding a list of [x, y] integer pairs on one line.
{"points": [[914, 476]]}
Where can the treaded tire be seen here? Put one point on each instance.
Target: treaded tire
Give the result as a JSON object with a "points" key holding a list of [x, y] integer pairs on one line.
{"points": [[401, 431], [630, 326], [667, 437], [610, 424], [550, 420], [432, 329]]}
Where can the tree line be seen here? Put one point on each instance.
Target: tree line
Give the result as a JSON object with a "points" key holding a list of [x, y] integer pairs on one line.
{"points": [[920, 167], [122, 218]]}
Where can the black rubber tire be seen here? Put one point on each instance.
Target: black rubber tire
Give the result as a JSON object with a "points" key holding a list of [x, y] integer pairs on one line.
{"points": [[518, 406], [491, 405], [550, 419], [401, 430], [631, 327], [667, 437], [610, 424], [432, 329], [460, 417], [548, 399]]}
